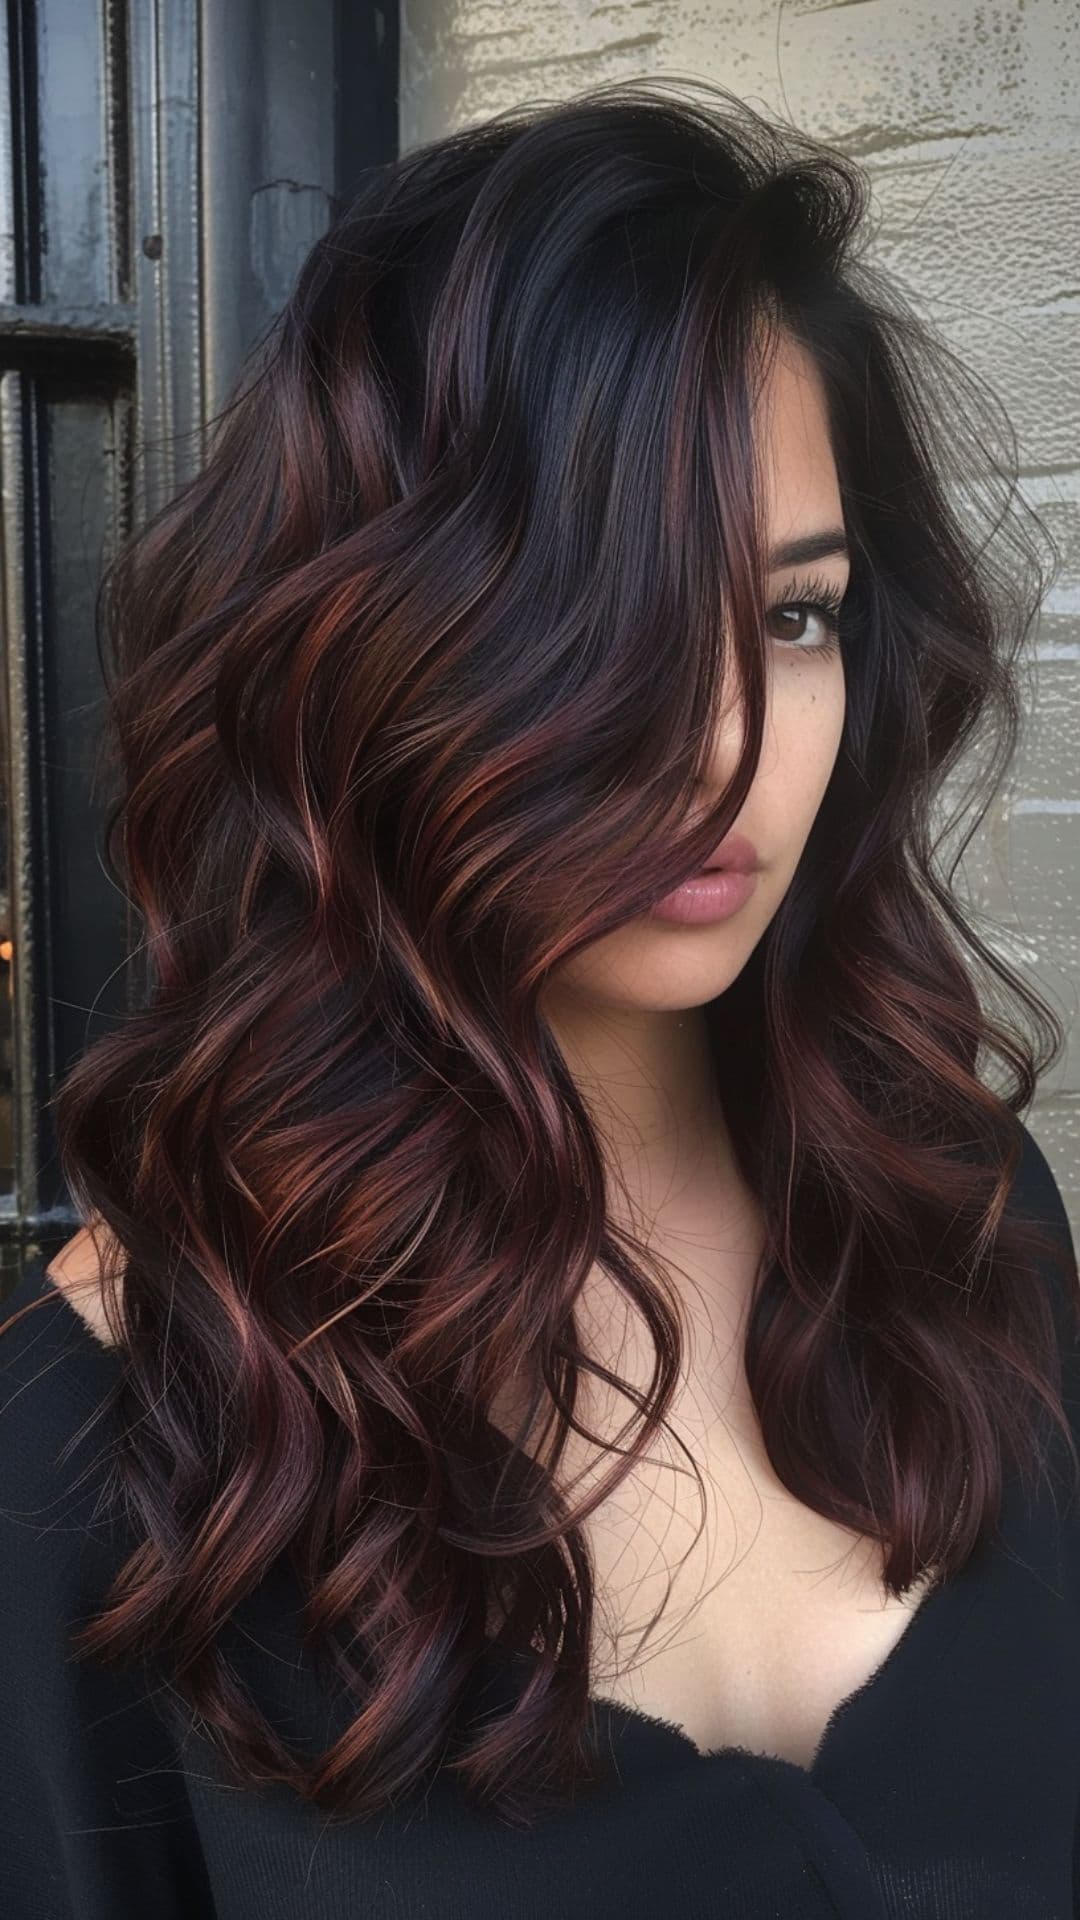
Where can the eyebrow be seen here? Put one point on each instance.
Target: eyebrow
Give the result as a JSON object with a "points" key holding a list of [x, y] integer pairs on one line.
{"points": [[811, 546]]}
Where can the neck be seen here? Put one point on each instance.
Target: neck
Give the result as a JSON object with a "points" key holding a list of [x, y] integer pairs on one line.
{"points": [[649, 1083]]}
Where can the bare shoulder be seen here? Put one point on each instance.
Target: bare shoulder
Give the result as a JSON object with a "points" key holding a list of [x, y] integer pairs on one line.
{"points": [[77, 1271]]}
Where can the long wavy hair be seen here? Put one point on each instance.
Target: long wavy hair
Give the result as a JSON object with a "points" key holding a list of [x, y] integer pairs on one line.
{"points": [[411, 688]]}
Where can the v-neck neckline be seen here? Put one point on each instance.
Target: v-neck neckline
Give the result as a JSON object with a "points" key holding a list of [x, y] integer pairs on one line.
{"points": [[893, 1687]]}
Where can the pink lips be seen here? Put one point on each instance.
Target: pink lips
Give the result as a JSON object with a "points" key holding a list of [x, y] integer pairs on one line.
{"points": [[735, 854], [724, 885]]}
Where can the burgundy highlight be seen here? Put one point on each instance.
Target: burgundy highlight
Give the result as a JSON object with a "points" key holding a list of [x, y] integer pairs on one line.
{"points": [[409, 693]]}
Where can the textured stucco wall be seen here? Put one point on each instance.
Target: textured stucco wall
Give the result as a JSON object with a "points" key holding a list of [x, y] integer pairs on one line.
{"points": [[966, 117]]}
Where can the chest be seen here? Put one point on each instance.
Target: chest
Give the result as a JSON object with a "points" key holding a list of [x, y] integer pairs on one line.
{"points": [[727, 1608], [750, 1634]]}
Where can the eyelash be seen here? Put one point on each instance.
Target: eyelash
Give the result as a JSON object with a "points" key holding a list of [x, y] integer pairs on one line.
{"points": [[813, 594]]}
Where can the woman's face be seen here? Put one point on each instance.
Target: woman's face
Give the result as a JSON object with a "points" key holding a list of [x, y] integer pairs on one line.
{"points": [[654, 964]]}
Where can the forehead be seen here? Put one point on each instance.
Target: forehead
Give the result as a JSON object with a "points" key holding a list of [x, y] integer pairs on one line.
{"points": [[799, 477]]}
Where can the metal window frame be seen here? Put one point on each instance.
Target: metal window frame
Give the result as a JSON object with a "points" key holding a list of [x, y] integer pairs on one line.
{"points": [[217, 143]]}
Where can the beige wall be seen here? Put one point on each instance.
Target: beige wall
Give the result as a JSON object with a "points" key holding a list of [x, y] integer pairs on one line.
{"points": [[965, 113]]}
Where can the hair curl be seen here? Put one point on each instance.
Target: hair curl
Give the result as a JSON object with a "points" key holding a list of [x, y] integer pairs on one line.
{"points": [[409, 692]]}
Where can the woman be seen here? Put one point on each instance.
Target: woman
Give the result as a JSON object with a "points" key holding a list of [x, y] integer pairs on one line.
{"points": [[564, 1400]]}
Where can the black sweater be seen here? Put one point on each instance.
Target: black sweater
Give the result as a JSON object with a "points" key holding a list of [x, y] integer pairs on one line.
{"points": [[947, 1786]]}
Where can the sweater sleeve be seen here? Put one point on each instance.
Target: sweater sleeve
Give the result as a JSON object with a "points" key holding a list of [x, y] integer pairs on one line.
{"points": [[95, 1820], [1043, 1200], [1037, 1196]]}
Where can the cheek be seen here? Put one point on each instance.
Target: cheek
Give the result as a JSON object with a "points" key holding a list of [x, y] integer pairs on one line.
{"points": [[807, 723]]}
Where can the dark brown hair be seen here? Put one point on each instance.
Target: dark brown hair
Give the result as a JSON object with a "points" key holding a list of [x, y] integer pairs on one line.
{"points": [[410, 692]]}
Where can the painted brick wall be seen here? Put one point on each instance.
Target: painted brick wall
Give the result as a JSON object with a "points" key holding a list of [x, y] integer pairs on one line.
{"points": [[965, 115]]}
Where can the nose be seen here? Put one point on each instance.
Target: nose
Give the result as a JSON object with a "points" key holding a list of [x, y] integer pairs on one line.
{"points": [[729, 728]]}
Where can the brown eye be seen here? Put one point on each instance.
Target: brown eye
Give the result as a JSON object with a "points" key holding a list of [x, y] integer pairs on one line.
{"points": [[794, 618]]}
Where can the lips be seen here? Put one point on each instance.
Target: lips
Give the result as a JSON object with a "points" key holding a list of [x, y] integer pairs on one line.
{"points": [[735, 854]]}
